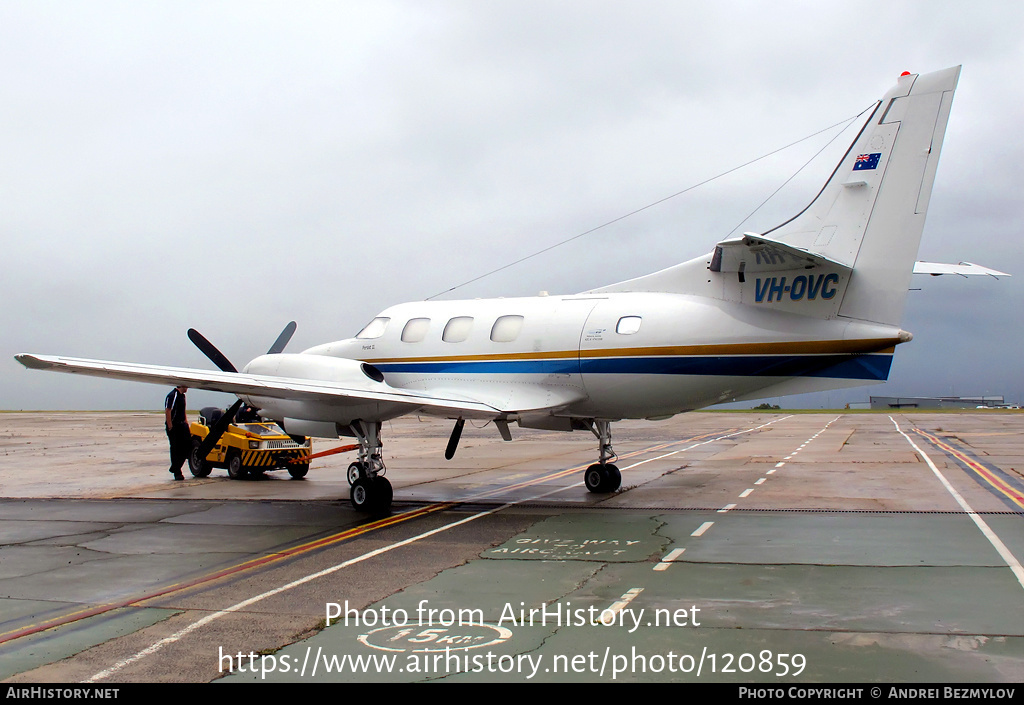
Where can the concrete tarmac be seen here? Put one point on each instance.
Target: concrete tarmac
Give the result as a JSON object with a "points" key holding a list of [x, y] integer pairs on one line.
{"points": [[742, 547]]}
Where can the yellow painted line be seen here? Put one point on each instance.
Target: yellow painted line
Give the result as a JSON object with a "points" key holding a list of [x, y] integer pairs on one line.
{"points": [[226, 572], [1013, 494], [997, 543], [307, 547], [300, 549]]}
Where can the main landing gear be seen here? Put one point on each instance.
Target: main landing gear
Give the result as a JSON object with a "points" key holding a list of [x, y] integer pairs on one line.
{"points": [[370, 491], [603, 477]]}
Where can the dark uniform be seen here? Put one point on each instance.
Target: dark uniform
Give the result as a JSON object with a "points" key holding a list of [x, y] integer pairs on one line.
{"points": [[177, 431]]}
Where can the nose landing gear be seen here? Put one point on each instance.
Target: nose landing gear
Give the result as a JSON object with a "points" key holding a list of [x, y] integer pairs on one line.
{"points": [[603, 477]]}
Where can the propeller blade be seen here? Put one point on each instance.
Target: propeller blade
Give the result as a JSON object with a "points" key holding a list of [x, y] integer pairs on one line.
{"points": [[219, 428], [282, 340], [453, 442], [208, 349]]}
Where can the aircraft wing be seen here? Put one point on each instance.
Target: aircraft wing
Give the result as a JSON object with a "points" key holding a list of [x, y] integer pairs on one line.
{"points": [[260, 385], [964, 269]]}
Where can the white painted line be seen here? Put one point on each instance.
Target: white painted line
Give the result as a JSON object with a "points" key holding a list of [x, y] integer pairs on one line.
{"points": [[669, 557], [673, 554], [761, 481], [710, 440], [608, 615], [746, 493], [702, 528], [153, 648], [157, 646], [770, 472], [726, 508], [779, 465], [789, 456], [651, 460], [993, 539]]}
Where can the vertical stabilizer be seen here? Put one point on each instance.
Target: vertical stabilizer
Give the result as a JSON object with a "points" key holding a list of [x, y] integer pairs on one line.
{"points": [[870, 214]]}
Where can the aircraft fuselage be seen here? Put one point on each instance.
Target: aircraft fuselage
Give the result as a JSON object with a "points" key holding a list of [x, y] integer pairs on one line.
{"points": [[612, 356]]}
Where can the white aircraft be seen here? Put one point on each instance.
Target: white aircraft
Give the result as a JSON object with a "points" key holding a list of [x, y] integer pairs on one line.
{"points": [[812, 304]]}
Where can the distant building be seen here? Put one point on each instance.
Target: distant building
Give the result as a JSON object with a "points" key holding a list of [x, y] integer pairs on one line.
{"points": [[936, 402]]}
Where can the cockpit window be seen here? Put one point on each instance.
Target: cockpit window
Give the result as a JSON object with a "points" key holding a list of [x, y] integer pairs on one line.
{"points": [[506, 329], [374, 329], [415, 330], [628, 325]]}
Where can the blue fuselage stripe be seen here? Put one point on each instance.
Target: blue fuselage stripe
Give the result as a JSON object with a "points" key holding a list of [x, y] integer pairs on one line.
{"points": [[867, 366]]}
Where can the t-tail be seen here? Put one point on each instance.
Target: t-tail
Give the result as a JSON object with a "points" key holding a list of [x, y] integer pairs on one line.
{"points": [[870, 215], [850, 253]]}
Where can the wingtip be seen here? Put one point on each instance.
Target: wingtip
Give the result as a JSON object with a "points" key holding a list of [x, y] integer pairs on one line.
{"points": [[32, 362]]}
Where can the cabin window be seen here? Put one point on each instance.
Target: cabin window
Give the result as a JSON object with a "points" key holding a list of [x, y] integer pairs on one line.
{"points": [[415, 330], [628, 325], [457, 329], [374, 329], [506, 329]]}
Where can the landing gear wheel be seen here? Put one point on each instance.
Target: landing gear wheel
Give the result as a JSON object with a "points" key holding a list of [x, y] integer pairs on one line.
{"points": [[236, 471], [602, 479], [371, 494], [613, 478], [385, 494], [355, 472], [298, 470], [593, 478], [198, 466]]}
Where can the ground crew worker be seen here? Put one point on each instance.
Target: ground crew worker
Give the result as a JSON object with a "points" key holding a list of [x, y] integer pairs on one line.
{"points": [[177, 429]]}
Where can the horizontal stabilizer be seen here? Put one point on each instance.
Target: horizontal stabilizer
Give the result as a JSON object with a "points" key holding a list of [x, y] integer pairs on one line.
{"points": [[757, 253], [964, 269]]}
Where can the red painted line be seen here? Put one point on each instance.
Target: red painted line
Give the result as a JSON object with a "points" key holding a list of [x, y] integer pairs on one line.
{"points": [[233, 570], [996, 482]]}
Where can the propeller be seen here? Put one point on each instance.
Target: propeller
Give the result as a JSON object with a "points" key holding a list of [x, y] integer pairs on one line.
{"points": [[218, 429], [220, 360], [208, 349], [282, 340]]}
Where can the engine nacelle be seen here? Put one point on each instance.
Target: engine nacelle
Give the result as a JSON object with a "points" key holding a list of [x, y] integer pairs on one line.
{"points": [[304, 427], [351, 373], [321, 417]]}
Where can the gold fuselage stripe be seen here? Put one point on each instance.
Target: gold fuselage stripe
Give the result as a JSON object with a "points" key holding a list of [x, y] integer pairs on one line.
{"points": [[800, 347]]}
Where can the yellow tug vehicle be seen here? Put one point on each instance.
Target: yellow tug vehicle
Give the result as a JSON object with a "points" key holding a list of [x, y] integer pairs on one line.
{"points": [[248, 449]]}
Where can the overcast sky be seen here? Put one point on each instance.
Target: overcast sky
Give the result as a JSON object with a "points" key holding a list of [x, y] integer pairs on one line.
{"points": [[232, 166]]}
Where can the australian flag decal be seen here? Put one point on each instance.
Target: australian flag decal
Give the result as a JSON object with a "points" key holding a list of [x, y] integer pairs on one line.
{"points": [[867, 161]]}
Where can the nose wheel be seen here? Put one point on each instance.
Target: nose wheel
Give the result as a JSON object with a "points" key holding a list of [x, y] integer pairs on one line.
{"points": [[602, 479]]}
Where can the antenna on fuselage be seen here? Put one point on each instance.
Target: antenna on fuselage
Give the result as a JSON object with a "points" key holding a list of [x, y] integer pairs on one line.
{"points": [[502, 268]]}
